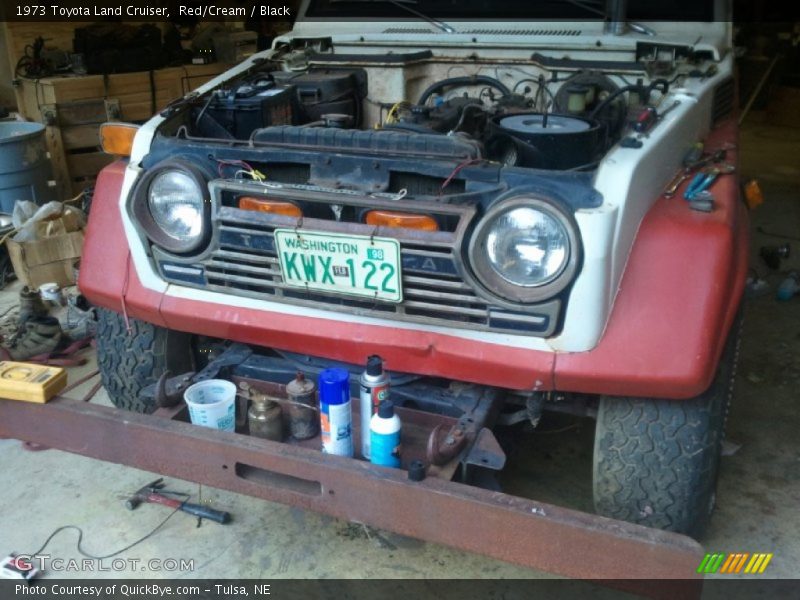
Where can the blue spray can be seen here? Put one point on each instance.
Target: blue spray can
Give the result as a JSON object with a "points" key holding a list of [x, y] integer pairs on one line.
{"points": [[336, 420], [384, 436]]}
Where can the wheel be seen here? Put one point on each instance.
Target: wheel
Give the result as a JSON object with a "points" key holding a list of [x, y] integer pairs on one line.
{"points": [[130, 361], [656, 461]]}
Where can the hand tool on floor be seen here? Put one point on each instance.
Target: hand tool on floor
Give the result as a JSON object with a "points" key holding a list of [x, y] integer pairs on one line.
{"points": [[154, 493], [773, 255]]}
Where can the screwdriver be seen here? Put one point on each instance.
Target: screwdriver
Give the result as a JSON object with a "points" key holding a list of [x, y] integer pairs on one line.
{"points": [[690, 159]]}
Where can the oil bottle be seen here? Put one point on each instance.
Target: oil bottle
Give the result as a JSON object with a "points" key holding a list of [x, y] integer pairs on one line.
{"points": [[303, 419], [264, 418]]}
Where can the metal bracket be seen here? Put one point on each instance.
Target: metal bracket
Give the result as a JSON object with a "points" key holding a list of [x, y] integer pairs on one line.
{"points": [[469, 440], [486, 452], [168, 391]]}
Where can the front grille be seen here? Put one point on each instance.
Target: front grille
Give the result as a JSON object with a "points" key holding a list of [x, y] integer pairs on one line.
{"points": [[244, 262], [722, 103]]}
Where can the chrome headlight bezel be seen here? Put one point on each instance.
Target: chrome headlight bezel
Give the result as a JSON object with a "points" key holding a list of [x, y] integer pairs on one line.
{"points": [[500, 287], [153, 230]]}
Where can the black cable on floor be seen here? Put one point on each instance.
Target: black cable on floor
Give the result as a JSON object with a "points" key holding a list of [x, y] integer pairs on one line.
{"points": [[87, 555]]}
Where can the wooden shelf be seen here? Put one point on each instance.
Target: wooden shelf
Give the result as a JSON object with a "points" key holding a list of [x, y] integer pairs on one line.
{"points": [[73, 107]]}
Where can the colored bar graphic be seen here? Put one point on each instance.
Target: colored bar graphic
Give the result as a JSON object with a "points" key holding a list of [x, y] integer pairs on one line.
{"points": [[764, 564], [704, 564], [741, 562], [723, 563], [718, 563], [730, 561]]}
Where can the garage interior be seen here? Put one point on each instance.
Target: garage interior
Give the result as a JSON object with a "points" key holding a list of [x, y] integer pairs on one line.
{"points": [[759, 482]]}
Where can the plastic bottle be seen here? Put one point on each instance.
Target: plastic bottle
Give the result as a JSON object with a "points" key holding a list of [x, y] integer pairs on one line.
{"points": [[789, 287], [374, 389], [384, 433], [336, 420]]}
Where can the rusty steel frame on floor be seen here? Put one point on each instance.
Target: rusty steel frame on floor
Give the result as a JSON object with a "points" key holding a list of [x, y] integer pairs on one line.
{"points": [[513, 529]]}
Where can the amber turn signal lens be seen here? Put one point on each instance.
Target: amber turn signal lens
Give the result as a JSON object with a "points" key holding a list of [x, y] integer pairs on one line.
{"points": [[275, 207], [752, 194], [388, 218], [117, 138]]}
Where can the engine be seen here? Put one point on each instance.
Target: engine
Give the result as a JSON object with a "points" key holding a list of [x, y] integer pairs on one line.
{"points": [[530, 125]]}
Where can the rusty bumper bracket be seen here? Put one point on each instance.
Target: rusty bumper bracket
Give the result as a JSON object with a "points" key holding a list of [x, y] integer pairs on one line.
{"points": [[513, 529]]}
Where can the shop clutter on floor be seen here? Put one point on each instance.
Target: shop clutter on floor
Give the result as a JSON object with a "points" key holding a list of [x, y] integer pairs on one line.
{"points": [[52, 320], [47, 331]]}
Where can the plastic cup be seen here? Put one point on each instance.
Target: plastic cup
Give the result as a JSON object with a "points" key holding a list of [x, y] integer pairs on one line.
{"points": [[212, 404]]}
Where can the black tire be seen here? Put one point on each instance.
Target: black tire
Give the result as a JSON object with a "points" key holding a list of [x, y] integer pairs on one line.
{"points": [[130, 361], [656, 461]]}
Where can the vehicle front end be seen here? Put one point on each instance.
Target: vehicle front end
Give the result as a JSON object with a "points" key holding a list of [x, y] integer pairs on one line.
{"points": [[481, 208]]}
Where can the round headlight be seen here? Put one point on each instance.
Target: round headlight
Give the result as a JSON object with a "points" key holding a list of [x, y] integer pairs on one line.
{"points": [[172, 206], [176, 203], [527, 247], [525, 250]]}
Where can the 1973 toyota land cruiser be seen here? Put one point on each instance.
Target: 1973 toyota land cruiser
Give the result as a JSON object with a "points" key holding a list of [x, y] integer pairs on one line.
{"points": [[518, 215]]}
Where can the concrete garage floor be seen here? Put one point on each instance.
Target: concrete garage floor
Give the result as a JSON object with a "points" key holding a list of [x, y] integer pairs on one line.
{"points": [[758, 497]]}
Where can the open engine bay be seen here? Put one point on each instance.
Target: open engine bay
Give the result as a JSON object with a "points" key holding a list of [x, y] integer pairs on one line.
{"points": [[543, 113]]}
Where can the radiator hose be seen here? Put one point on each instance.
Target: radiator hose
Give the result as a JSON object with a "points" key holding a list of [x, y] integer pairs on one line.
{"points": [[465, 80]]}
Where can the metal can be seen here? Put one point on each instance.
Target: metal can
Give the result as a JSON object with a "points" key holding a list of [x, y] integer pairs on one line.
{"points": [[264, 419], [303, 421], [374, 388], [336, 420]]}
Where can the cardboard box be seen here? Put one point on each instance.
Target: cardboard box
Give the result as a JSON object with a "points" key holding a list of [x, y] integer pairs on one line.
{"points": [[50, 259]]}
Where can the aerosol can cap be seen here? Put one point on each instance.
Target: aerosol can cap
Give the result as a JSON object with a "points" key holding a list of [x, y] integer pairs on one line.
{"points": [[386, 409], [374, 365], [334, 386], [416, 470]]}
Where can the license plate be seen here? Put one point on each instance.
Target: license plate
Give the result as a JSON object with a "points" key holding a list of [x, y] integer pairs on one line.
{"points": [[355, 265]]}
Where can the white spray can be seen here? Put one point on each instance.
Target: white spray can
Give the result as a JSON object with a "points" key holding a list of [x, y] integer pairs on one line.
{"points": [[374, 389], [384, 433]]}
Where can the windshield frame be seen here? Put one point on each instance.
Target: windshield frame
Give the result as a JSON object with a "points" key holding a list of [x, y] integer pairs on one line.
{"points": [[513, 10]]}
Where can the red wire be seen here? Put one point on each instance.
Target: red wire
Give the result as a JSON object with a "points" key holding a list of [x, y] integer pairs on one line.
{"points": [[466, 163], [125, 285]]}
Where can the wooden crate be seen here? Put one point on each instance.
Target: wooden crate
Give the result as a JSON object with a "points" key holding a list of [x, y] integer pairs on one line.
{"points": [[73, 108]]}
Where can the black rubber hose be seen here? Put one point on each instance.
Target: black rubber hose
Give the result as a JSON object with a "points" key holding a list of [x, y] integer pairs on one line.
{"points": [[662, 84], [465, 80]]}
